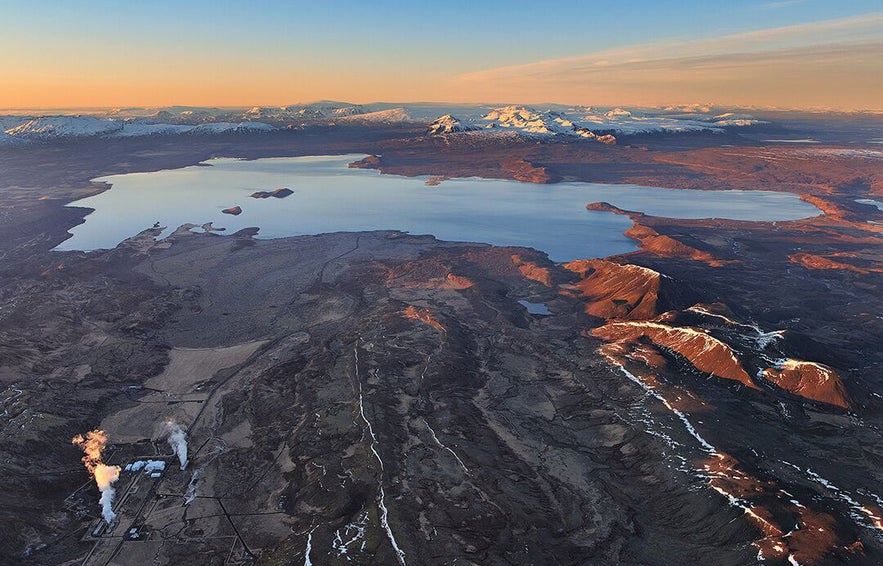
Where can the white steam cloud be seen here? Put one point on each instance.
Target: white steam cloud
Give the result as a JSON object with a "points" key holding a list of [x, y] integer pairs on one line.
{"points": [[177, 440], [93, 443]]}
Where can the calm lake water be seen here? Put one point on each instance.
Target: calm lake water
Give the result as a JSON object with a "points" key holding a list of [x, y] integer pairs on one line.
{"points": [[329, 197]]}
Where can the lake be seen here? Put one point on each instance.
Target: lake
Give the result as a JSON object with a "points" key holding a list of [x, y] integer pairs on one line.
{"points": [[330, 197]]}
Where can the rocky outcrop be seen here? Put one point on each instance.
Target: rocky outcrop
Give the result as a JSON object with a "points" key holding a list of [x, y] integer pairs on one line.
{"points": [[424, 316], [527, 172], [617, 291], [666, 246], [369, 162], [653, 242], [705, 352], [234, 210], [607, 139], [809, 380], [449, 281], [764, 503], [647, 354], [533, 271], [813, 261]]}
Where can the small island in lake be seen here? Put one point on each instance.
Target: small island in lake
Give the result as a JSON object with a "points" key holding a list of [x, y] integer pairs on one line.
{"points": [[278, 193]]}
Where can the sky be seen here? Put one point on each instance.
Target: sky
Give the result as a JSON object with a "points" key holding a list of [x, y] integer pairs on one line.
{"points": [[750, 53]]}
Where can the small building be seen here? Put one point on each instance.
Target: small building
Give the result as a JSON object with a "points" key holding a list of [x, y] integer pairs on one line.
{"points": [[99, 529], [138, 532], [153, 466]]}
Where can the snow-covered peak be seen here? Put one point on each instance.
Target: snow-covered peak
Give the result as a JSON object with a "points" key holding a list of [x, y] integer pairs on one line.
{"points": [[347, 111], [132, 129], [598, 124], [731, 119], [321, 109], [624, 121], [695, 108], [259, 112], [383, 116], [618, 114], [24, 129], [138, 128], [447, 124], [528, 120], [510, 113], [46, 127], [231, 127]]}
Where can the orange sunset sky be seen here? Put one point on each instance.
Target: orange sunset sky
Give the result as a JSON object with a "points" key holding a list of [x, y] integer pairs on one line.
{"points": [[793, 54]]}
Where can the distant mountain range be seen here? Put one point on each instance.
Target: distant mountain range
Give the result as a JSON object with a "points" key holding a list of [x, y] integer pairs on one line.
{"points": [[550, 120]]}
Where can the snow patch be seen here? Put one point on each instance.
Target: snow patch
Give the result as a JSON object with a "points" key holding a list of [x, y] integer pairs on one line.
{"points": [[308, 550], [350, 535], [381, 500], [442, 446]]}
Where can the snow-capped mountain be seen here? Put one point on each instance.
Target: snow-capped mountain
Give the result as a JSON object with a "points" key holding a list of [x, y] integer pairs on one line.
{"points": [[137, 128], [520, 120], [615, 114], [7, 123], [584, 132], [390, 116], [731, 119], [231, 128], [45, 128], [311, 111], [623, 121], [695, 108], [528, 120], [327, 109], [447, 124], [603, 124], [599, 124]]}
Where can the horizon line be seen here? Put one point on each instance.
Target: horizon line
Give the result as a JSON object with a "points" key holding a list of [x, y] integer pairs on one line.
{"points": [[662, 106]]}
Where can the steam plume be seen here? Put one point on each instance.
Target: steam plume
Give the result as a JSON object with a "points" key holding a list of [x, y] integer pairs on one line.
{"points": [[177, 440], [92, 444]]}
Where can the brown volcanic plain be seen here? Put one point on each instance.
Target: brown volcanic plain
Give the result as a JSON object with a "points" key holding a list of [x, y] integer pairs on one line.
{"points": [[380, 391]]}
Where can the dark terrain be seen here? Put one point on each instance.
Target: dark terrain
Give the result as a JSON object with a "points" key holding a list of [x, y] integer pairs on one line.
{"points": [[358, 393]]}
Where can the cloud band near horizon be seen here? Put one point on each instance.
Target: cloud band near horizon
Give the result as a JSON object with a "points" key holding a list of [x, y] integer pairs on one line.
{"points": [[835, 64]]}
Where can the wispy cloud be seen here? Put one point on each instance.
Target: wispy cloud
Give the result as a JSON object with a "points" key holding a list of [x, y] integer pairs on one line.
{"points": [[781, 4], [862, 28], [774, 62]]}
